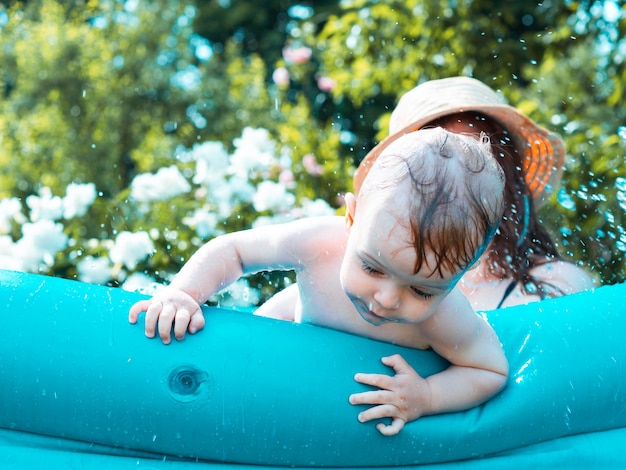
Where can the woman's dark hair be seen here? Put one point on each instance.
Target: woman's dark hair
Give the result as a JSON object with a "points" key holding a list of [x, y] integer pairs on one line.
{"points": [[521, 243]]}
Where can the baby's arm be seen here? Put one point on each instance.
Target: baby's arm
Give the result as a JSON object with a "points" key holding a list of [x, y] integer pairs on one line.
{"points": [[478, 371], [215, 265], [222, 261]]}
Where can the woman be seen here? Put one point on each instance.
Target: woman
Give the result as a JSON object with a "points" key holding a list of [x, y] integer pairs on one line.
{"points": [[521, 264]]}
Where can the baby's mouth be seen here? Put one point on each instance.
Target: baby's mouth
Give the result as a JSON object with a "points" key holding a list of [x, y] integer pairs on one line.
{"points": [[369, 316]]}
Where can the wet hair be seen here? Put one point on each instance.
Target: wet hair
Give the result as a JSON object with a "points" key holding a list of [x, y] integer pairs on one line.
{"points": [[520, 243], [456, 201]]}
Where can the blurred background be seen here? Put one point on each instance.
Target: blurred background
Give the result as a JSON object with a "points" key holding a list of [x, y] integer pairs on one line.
{"points": [[131, 132]]}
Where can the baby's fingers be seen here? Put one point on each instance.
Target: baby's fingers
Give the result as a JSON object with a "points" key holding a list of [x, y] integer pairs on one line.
{"points": [[182, 319], [375, 380], [137, 308], [391, 429], [166, 318], [378, 412], [197, 322], [152, 316], [374, 397], [398, 363]]}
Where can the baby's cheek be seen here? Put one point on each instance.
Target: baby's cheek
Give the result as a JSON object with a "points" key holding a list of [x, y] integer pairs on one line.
{"points": [[351, 279], [344, 276]]}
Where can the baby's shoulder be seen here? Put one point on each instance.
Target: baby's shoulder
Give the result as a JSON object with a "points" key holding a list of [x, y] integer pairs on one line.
{"points": [[324, 230], [319, 225], [318, 237]]}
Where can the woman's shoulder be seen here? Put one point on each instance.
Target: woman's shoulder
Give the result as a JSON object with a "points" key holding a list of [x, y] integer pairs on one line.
{"points": [[568, 277]]}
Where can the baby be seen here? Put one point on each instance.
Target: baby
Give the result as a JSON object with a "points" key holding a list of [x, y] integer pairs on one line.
{"points": [[387, 270]]}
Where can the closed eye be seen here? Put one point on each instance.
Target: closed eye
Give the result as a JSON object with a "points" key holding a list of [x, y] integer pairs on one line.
{"points": [[369, 269], [421, 293]]}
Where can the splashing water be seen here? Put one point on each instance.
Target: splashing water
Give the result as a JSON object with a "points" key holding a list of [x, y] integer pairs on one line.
{"points": [[620, 184], [565, 200]]}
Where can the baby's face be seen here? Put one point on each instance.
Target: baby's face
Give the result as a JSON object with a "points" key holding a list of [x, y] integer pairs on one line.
{"points": [[377, 272]]}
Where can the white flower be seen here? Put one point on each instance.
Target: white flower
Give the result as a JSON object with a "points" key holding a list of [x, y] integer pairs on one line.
{"points": [[272, 220], [78, 198], [45, 206], [255, 138], [211, 159], [7, 255], [142, 283], [131, 248], [210, 180], [203, 221], [220, 193], [241, 189], [254, 151], [238, 294], [39, 244], [166, 183], [6, 245], [316, 208], [94, 270], [10, 209], [226, 193], [273, 197]]}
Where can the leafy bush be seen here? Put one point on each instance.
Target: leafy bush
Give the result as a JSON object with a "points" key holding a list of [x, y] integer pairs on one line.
{"points": [[204, 192], [133, 132]]}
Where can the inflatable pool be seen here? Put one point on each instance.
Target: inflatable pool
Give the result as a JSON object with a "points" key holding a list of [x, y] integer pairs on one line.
{"points": [[82, 388]]}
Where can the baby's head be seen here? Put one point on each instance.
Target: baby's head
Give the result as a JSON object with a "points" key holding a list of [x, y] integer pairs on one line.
{"points": [[452, 188]]}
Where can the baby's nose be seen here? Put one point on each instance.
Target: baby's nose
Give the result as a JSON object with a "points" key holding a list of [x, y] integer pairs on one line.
{"points": [[388, 297]]}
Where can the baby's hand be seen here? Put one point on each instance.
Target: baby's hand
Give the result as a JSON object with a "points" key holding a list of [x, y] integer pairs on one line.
{"points": [[403, 397], [169, 306]]}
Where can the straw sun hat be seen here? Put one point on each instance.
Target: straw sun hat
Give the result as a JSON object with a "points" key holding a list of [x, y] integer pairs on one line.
{"points": [[543, 151]]}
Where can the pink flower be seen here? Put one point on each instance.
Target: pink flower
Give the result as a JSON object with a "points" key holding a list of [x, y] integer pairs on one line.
{"points": [[286, 177], [281, 76], [311, 166], [326, 83], [297, 55]]}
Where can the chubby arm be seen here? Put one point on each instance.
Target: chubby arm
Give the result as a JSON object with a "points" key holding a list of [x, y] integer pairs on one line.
{"points": [[477, 372], [479, 368], [222, 261]]}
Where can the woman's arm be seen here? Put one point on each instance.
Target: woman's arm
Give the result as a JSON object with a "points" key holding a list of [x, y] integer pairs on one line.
{"points": [[565, 276]]}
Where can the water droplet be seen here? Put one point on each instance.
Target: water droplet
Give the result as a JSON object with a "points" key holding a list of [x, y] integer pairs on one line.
{"points": [[565, 200], [610, 218]]}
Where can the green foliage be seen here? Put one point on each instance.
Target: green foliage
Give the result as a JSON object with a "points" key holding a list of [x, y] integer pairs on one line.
{"points": [[545, 57], [103, 91], [82, 98], [576, 92]]}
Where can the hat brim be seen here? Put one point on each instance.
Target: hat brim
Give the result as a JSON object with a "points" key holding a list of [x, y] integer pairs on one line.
{"points": [[543, 151]]}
